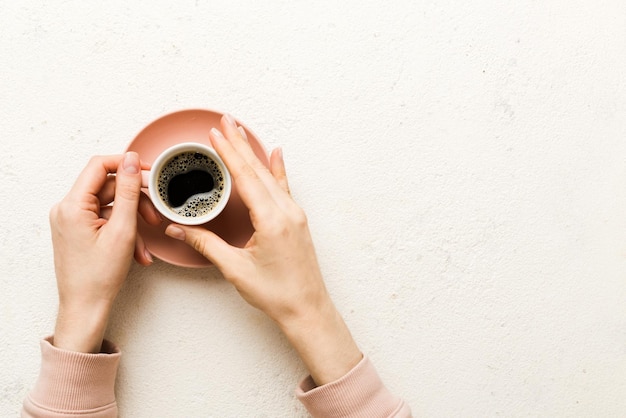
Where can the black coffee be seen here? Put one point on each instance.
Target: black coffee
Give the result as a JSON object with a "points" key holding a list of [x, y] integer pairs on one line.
{"points": [[183, 186], [191, 184]]}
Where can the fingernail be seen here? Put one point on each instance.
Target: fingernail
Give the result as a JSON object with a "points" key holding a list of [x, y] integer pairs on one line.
{"points": [[230, 119], [242, 132], [279, 151], [175, 232], [148, 255], [131, 163], [217, 133]]}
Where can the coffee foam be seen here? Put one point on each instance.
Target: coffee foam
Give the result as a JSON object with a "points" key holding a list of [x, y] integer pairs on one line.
{"points": [[199, 204]]}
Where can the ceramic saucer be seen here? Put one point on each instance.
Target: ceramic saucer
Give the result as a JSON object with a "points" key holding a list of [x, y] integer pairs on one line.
{"points": [[233, 224]]}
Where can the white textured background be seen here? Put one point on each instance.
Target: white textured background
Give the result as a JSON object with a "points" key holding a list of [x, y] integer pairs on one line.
{"points": [[463, 165]]}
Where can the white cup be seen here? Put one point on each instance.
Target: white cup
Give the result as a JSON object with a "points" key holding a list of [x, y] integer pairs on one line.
{"points": [[189, 183]]}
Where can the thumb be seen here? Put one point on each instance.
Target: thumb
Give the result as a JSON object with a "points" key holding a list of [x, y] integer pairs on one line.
{"points": [[206, 242], [127, 192]]}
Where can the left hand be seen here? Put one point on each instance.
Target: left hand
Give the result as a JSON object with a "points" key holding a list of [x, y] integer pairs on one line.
{"points": [[94, 244], [277, 270]]}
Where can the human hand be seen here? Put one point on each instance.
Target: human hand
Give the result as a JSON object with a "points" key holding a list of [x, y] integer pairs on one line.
{"points": [[94, 244], [277, 270]]}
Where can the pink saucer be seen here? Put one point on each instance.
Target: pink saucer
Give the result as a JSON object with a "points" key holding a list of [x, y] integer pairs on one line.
{"points": [[233, 224]]}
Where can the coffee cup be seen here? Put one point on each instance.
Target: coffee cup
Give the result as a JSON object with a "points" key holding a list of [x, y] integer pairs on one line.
{"points": [[189, 183]]}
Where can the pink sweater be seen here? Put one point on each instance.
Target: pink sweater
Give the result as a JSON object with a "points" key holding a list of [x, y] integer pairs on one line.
{"points": [[77, 384]]}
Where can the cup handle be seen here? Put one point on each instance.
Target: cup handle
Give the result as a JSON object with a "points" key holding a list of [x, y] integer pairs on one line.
{"points": [[145, 178]]}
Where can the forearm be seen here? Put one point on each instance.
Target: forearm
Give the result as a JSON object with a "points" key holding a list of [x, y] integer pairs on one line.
{"points": [[324, 343], [342, 383], [81, 328]]}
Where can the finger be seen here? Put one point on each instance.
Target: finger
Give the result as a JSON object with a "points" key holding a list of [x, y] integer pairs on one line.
{"points": [[251, 189], [105, 212], [107, 191], [243, 133], [207, 243], [127, 193], [231, 131], [95, 174], [148, 212], [142, 255], [97, 178], [146, 209], [277, 168]]}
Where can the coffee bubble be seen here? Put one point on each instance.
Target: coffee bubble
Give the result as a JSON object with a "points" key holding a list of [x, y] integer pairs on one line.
{"points": [[191, 184]]}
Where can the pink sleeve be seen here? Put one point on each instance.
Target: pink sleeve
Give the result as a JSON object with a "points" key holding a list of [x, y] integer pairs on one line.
{"points": [[360, 393], [72, 384]]}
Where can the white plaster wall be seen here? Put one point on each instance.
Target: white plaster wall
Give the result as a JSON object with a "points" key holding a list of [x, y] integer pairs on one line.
{"points": [[463, 165]]}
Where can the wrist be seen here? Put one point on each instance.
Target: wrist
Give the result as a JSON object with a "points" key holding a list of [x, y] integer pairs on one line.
{"points": [[324, 343], [81, 329], [311, 317]]}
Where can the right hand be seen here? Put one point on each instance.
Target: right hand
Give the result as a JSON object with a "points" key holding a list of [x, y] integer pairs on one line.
{"points": [[277, 270]]}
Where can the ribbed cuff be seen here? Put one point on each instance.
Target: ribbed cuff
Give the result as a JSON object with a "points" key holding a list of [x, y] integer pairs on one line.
{"points": [[360, 393], [72, 381]]}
